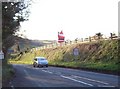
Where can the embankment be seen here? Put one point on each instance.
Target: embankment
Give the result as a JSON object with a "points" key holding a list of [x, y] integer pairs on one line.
{"points": [[98, 56]]}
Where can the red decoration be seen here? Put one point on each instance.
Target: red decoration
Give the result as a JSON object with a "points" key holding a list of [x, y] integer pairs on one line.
{"points": [[61, 37]]}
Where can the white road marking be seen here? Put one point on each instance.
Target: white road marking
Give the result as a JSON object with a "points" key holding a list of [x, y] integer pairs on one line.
{"points": [[76, 80], [47, 71], [90, 79], [26, 73], [58, 73], [105, 86], [12, 87]]}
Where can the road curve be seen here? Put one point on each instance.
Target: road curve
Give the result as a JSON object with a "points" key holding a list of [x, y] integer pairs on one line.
{"points": [[28, 76]]}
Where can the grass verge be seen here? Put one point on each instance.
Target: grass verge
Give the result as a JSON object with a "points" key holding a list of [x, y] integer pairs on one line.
{"points": [[109, 68], [7, 73]]}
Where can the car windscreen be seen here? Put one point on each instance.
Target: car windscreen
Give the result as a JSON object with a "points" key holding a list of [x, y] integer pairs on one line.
{"points": [[41, 59]]}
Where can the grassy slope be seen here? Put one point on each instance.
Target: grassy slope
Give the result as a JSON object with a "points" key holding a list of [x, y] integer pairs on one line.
{"points": [[101, 55]]}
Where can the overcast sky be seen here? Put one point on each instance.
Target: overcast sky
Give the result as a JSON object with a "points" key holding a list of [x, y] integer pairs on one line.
{"points": [[77, 18]]}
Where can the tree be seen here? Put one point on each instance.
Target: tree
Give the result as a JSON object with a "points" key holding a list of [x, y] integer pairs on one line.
{"points": [[76, 40], [99, 35], [12, 14]]}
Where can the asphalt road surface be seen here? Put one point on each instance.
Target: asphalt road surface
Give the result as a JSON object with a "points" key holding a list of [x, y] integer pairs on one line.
{"points": [[28, 76]]}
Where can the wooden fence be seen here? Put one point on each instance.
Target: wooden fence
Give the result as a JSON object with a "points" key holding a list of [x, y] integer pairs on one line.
{"points": [[76, 41]]}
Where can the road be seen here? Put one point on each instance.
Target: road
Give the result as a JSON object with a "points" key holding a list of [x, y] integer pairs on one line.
{"points": [[28, 76]]}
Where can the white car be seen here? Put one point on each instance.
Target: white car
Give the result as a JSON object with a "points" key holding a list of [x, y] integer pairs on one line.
{"points": [[40, 62]]}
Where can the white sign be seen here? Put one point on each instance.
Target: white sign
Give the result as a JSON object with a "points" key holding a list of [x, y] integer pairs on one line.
{"points": [[1, 55], [76, 51]]}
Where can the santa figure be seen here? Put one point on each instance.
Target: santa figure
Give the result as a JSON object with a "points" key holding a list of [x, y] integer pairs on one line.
{"points": [[61, 37]]}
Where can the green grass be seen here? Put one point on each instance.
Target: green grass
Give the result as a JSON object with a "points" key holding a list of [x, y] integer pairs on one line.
{"points": [[25, 59], [67, 64], [99, 66]]}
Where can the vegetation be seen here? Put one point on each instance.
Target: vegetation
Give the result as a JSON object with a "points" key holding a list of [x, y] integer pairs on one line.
{"points": [[99, 35], [7, 73], [12, 14], [100, 55]]}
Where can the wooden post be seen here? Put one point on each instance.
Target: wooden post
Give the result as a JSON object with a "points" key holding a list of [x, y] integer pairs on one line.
{"points": [[60, 44], [111, 35], [89, 39], [82, 39]]}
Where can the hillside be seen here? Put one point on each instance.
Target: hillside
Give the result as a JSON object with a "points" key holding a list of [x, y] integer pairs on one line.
{"points": [[27, 43], [101, 55]]}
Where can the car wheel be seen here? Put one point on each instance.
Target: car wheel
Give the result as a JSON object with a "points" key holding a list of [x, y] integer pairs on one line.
{"points": [[33, 65], [46, 65]]}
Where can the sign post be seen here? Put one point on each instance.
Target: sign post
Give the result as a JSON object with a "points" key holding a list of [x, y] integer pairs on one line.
{"points": [[76, 53], [1, 55]]}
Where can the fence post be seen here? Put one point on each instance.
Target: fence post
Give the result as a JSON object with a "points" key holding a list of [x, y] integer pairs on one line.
{"points": [[111, 35], [82, 39], [70, 42], [89, 39], [76, 40]]}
